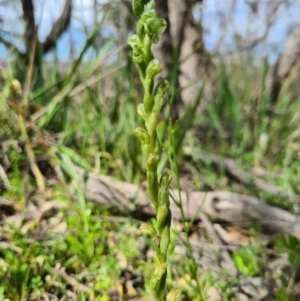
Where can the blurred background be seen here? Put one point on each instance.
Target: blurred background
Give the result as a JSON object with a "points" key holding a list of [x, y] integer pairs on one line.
{"points": [[228, 26]]}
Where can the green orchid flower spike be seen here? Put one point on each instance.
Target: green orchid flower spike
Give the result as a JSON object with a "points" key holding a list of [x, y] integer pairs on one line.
{"points": [[149, 31]]}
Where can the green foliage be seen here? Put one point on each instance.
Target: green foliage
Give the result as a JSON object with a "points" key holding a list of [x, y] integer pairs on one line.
{"points": [[248, 261], [291, 245], [17, 282], [281, 295], [1, 292], [23, 271]]}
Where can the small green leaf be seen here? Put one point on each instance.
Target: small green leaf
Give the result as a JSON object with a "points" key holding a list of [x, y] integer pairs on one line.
{"points": [[291, 245], [247, 261], [74, 157]]}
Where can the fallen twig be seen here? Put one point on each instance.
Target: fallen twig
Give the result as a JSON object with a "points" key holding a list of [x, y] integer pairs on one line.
{"points": [[242, 177], [236, 209]]}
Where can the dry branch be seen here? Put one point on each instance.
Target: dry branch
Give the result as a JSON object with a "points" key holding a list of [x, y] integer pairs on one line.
{"points": [[185, 38], [28, 17], [4, 182], [58, 27], [242, 177], [286, 64], [233, 208], [30, 34]]}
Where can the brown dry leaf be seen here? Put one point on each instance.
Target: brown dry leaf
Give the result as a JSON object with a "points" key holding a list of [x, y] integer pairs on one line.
{"points": [[122, 260], [6, 245], [213, 294], [146, 298], [60, 228], [50, 205], [232, 235], [131, 291], [16, 220]]}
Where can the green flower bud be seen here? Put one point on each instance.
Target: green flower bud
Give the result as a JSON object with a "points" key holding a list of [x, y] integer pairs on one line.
{"points": [[148, 16], [158, 279], [144, 138], [150, 4], [163, 218], [154, 38], [163, 193], [163, 197], [15, 86], [151, 163], [151, 123], [151, 166], [134, 41], [154, 108], [165, 179], [148, 101], [155, 29], [173, 295], [142, 26], [141, 111], [153, 68], [142, 135], [162, 88], [148, 230], [165, 241], [156, 242], [152, 120], [138, 7], [159, 271], [138, 55], [158, 102]]}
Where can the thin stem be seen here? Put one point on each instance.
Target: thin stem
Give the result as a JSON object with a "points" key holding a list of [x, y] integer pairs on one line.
{"points": [[158, 191], [30, 155], [174, 164]]}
